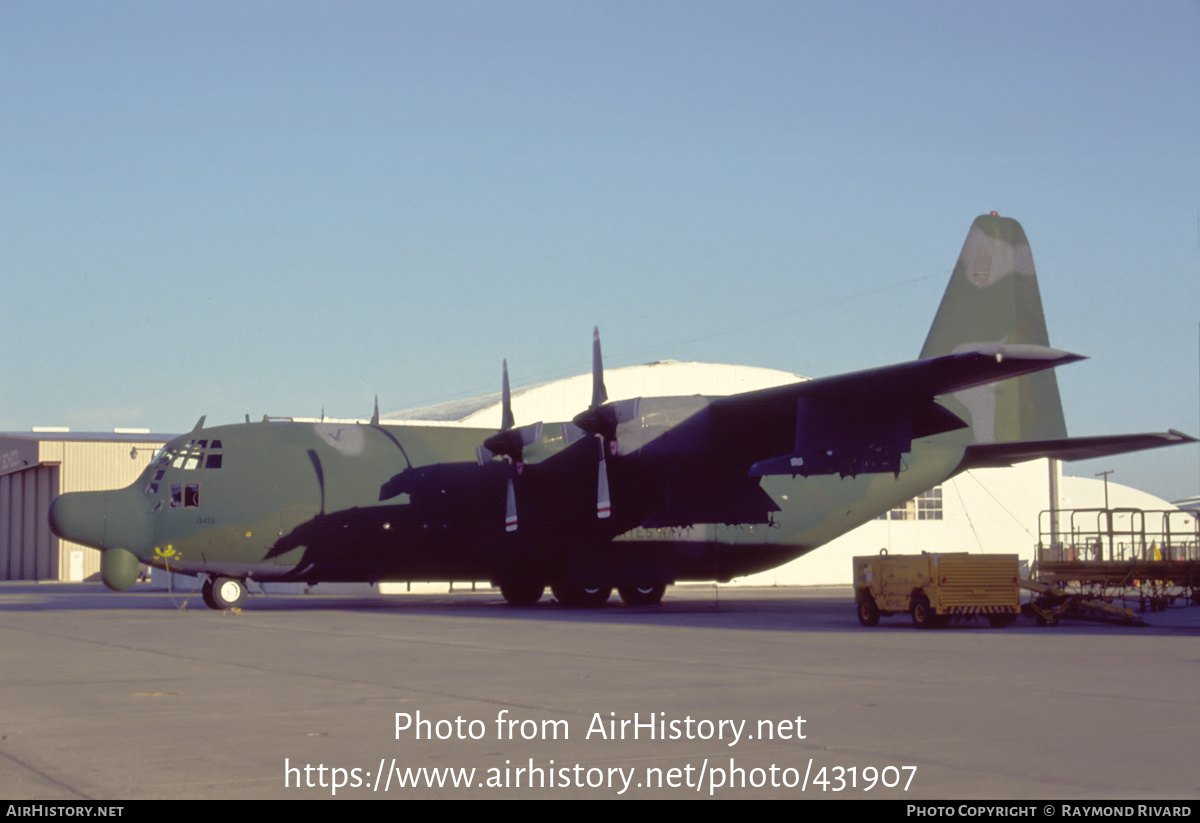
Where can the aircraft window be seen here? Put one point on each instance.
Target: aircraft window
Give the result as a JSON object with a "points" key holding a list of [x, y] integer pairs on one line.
{"points": [[151, 488], [185, 496], [193, 456], [158, 475]]}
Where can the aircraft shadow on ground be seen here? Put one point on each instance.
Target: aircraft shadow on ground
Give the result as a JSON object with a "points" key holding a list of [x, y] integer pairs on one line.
{"points": [[712, 609]]}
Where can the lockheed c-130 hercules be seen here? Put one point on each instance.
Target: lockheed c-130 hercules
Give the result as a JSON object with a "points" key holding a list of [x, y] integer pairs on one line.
{"points": [[683, 481]]}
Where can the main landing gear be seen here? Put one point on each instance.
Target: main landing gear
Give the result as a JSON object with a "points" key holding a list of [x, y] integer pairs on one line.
{"points": [[223, 592], [581, 596], [521, 593], [642, 595], [524, 594]]}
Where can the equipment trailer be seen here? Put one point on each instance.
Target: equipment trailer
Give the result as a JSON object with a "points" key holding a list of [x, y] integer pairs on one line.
{"points": [[937, 588], [1052, 604]]}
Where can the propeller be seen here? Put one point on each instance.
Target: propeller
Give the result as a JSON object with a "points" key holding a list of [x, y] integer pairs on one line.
{"points": [[600, 420], [509, 443]]}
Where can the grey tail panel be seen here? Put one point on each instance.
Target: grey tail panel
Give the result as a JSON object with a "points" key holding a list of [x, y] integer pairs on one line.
{"points": [[993, 299]]}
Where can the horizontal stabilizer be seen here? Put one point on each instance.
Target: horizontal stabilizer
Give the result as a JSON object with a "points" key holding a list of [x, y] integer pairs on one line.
{"points": [[1000, 455]]}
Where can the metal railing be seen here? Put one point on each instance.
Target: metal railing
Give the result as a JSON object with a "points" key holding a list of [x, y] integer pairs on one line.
{"points": [[1118, 535]]}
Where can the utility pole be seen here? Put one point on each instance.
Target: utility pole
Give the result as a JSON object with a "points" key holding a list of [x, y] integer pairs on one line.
{"points": [[1107, 512]]}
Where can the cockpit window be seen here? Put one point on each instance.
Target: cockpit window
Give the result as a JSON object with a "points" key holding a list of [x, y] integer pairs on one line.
{"points": [[152, 486], [190, 456], [196, 454]]}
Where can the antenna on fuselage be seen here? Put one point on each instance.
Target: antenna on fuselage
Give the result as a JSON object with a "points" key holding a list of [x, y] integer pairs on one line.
{"points": [[375, 417]]}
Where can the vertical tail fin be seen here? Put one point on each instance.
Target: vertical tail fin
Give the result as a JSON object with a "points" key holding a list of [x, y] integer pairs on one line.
{"points": [[993, 298]]}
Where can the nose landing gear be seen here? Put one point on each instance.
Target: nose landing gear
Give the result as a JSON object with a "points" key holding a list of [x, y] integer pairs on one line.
{"points": [[223, 592]]}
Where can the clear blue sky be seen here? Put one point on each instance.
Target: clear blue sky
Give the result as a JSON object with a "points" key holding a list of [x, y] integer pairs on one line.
{"points": [[272, 207]]}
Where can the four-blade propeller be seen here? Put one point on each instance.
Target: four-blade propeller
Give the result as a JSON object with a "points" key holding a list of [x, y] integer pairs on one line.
{"points": [[600, 420], [509, 443]]}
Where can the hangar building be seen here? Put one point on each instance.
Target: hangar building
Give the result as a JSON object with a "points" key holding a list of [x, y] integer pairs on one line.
{"points": [[37, 467]]}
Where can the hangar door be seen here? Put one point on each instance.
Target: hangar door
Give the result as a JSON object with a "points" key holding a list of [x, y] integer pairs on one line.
{"points": [[28, 550]]}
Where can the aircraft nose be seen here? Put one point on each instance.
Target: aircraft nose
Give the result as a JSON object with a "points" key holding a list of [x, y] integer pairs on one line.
{"points": [[103, 520], [115, 522], [127, 523], [79, 517]]}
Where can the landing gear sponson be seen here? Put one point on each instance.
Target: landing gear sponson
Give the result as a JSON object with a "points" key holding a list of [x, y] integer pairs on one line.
{"points": [[581, 596]]}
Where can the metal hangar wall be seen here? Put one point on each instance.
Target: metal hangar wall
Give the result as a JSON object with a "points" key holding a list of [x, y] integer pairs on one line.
{"points": [[37, 467]]}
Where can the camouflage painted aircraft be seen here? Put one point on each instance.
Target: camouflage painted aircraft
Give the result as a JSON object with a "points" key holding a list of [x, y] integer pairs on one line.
{"points": [[636, 494]]}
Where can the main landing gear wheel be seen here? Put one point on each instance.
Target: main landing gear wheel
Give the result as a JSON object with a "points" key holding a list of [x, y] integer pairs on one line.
{"points": [[522, 593], [868, 612], [580, 596], [922, 613], [224, 592], [642, 595]]}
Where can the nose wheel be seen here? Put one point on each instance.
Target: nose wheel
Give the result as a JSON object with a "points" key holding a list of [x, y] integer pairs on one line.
{"points": [[223, 592]]}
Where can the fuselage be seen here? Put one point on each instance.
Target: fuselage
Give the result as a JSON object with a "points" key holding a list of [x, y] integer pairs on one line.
{"points": [[361, 502]]}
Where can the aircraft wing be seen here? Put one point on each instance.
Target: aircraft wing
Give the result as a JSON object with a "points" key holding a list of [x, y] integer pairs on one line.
{"points": [[847, 424], [937, 375], [1001, 455]]}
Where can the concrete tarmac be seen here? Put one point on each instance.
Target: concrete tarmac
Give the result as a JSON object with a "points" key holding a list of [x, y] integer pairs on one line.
{"points": [[729, 693]]}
